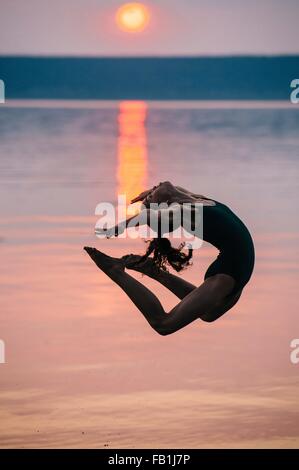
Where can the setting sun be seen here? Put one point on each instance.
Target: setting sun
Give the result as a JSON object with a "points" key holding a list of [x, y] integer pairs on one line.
{"points": [[132, 17]]}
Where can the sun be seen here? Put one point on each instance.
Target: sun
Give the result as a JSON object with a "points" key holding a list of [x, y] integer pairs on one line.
{"points": [[132, 17]]}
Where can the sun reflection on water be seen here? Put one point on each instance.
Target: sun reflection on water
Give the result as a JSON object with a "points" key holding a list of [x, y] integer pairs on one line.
{"points": [[132, 151]]}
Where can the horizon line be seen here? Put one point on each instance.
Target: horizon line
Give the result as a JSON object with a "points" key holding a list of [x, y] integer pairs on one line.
{"points": [[149, 56], [152, 103]]}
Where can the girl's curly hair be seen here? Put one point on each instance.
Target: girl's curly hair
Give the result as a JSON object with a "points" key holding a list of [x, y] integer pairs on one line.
{"points": [[165, 254]]}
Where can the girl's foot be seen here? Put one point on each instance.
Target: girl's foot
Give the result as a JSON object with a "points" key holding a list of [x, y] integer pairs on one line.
{"points": [[147, 266], [106, 263]]}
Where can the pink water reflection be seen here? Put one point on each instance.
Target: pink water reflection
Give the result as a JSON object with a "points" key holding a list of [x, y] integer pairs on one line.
{"points": [[81, 358]]}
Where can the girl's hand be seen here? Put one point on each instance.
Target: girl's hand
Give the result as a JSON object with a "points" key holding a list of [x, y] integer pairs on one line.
{"points": [[110, 232], [106, 232]]}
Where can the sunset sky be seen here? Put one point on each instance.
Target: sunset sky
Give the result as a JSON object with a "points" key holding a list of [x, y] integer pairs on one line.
{"points": [[88, 27]]}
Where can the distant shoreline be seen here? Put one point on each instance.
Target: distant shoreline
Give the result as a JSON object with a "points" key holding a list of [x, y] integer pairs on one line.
{"points": [[146, 57], [225, 78]]}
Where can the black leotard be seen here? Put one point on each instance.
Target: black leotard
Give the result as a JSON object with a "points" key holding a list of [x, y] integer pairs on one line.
{"points": [[223, 229]]}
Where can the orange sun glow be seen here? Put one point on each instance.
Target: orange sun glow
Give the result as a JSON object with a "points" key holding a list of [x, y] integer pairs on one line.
{"points": [[132, 17]]}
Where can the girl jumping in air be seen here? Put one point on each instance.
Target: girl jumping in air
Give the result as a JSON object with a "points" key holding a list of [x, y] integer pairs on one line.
{"points": [[223, 282]]}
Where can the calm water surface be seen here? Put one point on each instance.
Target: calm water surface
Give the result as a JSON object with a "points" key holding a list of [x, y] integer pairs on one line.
{"points": [[83, 368]]}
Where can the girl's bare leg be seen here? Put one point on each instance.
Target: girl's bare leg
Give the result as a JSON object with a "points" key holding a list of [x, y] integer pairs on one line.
{"points": [[175, 284], [200, 301]]}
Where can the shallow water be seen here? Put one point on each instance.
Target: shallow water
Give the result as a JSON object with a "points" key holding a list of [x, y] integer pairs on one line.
{"points": [[83, 368]]}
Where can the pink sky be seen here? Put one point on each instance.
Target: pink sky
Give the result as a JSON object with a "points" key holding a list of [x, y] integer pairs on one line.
{"points": [[87, 27]]}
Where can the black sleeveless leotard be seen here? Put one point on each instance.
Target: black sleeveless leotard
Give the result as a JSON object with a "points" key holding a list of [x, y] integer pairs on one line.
{"points": [[223, 229]]}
